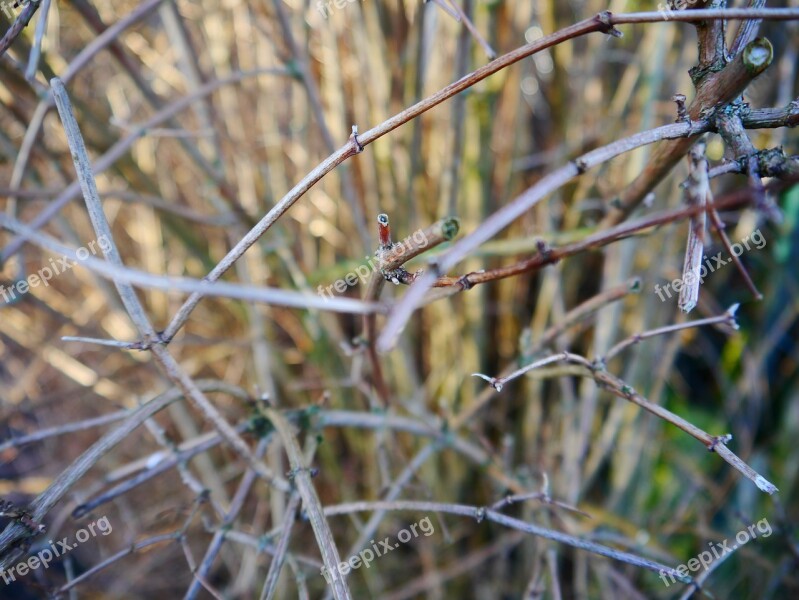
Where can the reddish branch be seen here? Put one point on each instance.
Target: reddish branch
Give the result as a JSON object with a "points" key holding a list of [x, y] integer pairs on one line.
{"points": [[390, 258], [497, 221], [548, 256]]}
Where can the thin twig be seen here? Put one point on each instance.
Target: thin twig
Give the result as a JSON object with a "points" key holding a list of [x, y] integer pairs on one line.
{"points": [[619, 388], [727, 318], [36, 48], [718, 225], [270, 583], [499, 383], [492, 225], [310, 501], [716, 88], [130, 276], [245, 486], [487, 514], [91, 456], [20, 23], [461, 16]]}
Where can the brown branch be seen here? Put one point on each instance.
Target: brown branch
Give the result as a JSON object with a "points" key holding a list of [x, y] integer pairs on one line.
{"points": [[716, 88], [400, 313], [443, 230], [719, 226], [710, 39], [548, 256], [358, 142]]}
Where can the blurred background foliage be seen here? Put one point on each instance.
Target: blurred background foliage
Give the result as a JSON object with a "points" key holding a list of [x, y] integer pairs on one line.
{"points": [[188, 189]]}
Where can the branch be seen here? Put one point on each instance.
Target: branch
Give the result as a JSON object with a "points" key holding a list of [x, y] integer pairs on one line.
{"points": [[131, 301], [716, 88], [617, 387], [400, 313], [358, 142], [481, 513], [496, 222], [90, 457], [734, 135], [697, 193], [310, 501], [222, 289], [20, 23], [747, 30], [390, 258]]}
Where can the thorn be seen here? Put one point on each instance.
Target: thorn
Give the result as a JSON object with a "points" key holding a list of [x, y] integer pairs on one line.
{"points": [[542, 247], [495, 383], [765, 485], [605, 19], [731, 316], [682, 113], [465, 283], [719, 439], [434, 267], [354, 136]]}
